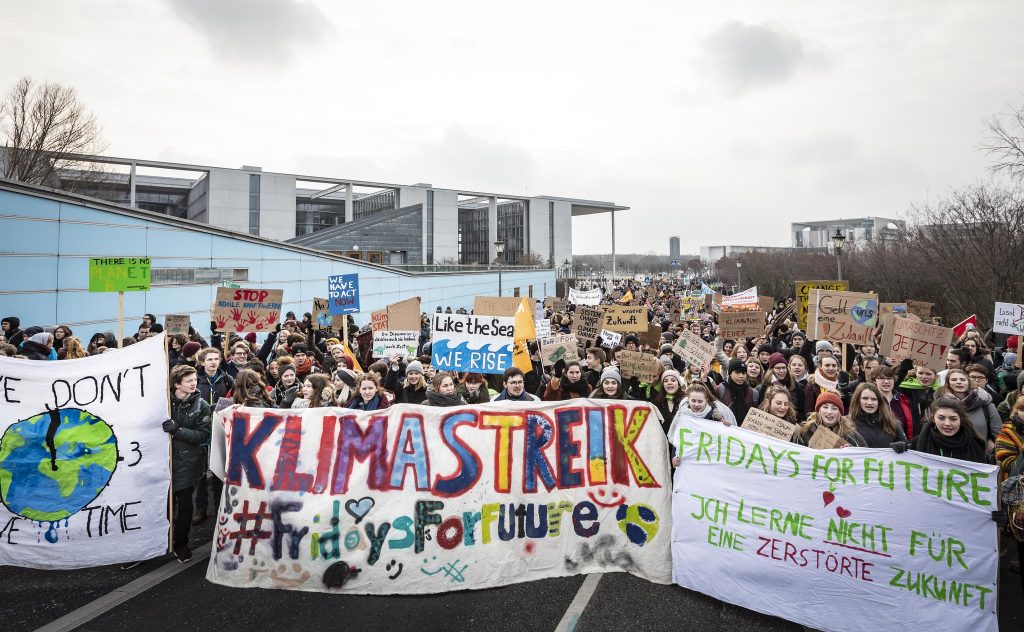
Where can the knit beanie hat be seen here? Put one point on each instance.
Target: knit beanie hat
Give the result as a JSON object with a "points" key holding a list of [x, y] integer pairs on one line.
{"points": [[666, 361], [611, 373], [665, 349], [414, 367], [299, 348], [190, 348], [776, 358], [1009, 359], [764, 348], [631, 338], [737, 366], [828, 397], [672, 373], [251, 337], [285, 369], [823, 345], [346, 376]]}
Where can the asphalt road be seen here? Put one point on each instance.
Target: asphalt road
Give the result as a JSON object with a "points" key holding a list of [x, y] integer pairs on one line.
{"points": [[30, 599]]}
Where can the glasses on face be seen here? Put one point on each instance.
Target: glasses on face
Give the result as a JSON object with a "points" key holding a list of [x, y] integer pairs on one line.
{"points": [[978, 378], [515, 382]]}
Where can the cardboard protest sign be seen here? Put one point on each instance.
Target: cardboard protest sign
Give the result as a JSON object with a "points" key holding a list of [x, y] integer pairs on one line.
{"points": [[177, 324], [404, 315], [768, 425], [797, 526], [610, 338], [560, 347], [1009, 319], [921, 309], [478, 344], [652, 337], [379, 320], [887, 310], [590, 297], [919, 342], [625, 318], [322, 319], [499, 305], [343, 293], [693, 349], [586, 324], [387, 343], [803, 289], [825, 439], [341, 500], [643, 366], [737, 324], [83, 459], [247, 309], [747, 299], [119, 274], [555, 304], [842, 316]]}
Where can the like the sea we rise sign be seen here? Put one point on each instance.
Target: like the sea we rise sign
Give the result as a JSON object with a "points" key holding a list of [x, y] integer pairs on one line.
{"points": [[343, 294]]}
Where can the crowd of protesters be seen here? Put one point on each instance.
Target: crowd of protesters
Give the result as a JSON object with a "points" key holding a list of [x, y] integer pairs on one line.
{"points": [[972, 410]]}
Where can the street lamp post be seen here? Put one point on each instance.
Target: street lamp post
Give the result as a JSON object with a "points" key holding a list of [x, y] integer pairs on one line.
{"points": [[499, 249], [739, 275], [837, 246]]}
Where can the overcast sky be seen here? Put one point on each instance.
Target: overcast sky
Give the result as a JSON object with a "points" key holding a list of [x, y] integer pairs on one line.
{"points": [[718, 122]]}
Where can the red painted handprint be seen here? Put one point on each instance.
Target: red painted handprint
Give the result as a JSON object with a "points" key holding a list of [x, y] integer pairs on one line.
{"points": [[271, 318], [236, 314], [252, 317], [221, 321]]}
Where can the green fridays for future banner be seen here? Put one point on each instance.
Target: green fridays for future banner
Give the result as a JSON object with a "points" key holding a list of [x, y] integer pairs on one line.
{"points": [[854, 539]]}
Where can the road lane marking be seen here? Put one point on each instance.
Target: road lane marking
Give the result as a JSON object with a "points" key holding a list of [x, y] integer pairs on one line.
{"points": [[579, 603], [116, 597]]}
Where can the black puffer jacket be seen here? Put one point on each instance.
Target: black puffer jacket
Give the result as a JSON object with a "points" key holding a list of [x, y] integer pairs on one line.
{"points": [[192, 415]]}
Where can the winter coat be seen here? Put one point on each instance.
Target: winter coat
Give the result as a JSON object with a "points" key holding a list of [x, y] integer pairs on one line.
{"points": [[1010, 444], [964, 445], [874, 437], [283, 397], [525, 397], [213, 388], [983, 414], [378, 402], [14, 335], [192, 415], [35, 351], [919, 398], [482, 394]]}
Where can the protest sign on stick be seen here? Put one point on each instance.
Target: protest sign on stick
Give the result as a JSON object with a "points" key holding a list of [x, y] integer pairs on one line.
{"points": [[177, 324], [922, 343], [842, 316], [1009, 319], [586, 324], [323, 320], [803, 289], [477, 344], [555, 348], [693, 349], [247, 309]]}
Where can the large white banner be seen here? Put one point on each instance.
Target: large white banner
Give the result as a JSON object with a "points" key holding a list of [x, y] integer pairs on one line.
{"points": [[591, 298], [417, 499], [83, 458], [855, 539]]}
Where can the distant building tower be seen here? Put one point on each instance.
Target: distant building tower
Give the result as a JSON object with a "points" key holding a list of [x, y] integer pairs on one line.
{"points": [[673, 247]]}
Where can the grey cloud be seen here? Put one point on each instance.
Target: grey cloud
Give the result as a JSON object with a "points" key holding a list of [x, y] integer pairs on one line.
{"points": [[476, 162], [264, 31], [745, 56]]}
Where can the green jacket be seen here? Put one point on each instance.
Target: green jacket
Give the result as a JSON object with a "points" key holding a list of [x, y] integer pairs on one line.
{"points": [[193, 417], [1006, 405]]}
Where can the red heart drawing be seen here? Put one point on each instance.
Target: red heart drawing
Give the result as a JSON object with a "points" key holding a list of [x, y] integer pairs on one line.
{"points": [[843, 513], [828, 497]]}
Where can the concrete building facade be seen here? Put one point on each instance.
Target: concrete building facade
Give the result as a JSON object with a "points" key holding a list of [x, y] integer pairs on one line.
{"points": [[455, 225], [855, 230], [47, 237]]}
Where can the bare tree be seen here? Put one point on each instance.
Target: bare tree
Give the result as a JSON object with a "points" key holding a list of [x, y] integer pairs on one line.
{"points": [[41, 124], [1005, 144]]}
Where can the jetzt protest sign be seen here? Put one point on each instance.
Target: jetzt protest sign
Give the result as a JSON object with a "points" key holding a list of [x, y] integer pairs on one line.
{"points": [[922, 343]]}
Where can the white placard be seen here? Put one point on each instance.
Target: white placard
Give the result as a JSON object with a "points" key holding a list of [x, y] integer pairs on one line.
{"points": [[834, 539], [83, 458], [610, 338], [387, 343], [1009, 319], [589, 298]]}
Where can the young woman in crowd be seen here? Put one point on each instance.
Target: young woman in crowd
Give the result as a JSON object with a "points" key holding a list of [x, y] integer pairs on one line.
{"points": [[699, 403], [568, 382], [778, 403], [949, 432], [828, 414], [72, 349], [884, 377], [412, 389], [287, 388], [316, 392], [670, 397], [473, 388], [251, 390], [873, 419], [734, 391], [978, 404], [370, 395], [444, 394], [610, 386]]}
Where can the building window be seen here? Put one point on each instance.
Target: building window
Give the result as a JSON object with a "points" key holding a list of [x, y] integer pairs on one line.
{"points": [[430, 227], [511, 230], [551, 232], [473, 236], [254, 204], [196, 276], [526, 224]]}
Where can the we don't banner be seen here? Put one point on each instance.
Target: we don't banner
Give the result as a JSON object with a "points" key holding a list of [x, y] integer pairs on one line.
{"points": [[417, 499]]}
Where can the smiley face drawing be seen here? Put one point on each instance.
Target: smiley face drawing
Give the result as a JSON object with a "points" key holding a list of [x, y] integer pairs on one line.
{"points": [[392, 564], [607, 496]]}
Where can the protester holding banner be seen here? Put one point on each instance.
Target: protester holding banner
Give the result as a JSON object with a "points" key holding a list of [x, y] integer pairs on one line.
{"points": [[410, 390], [473, 388], [734, 392], [670, 397], [874, 421], [444, 394], [610, 386], [567, 382], [777, 402], [978, 404], [316, 392], [918, 389], [189, 427], [370, 395], [828, 414], [948, 432]]}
